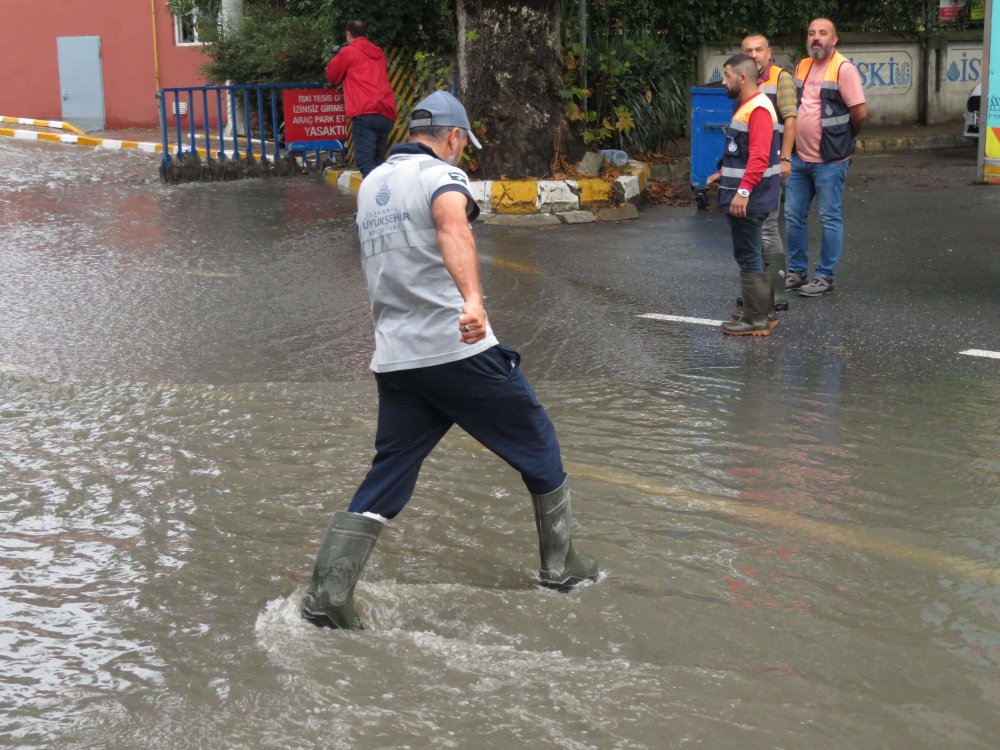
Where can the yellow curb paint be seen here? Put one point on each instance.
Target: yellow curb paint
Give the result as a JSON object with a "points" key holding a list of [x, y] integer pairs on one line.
{"points": [[515, 196], [356, 179], [51, 137], [641, 171], [331, 176], [594, 193], [855, 538], [59, 125]]}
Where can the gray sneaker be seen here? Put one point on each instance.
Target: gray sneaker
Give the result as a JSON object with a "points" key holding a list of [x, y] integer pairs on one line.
{"points": [[794, 281], [816, 287]]}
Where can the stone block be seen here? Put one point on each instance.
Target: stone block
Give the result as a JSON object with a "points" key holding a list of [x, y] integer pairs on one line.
{"points": [[349, 180], [576, 217], [594, 193], [556, 196], [618, 213], [514, 196], [482, 194], [626, 189], [591, 163]]}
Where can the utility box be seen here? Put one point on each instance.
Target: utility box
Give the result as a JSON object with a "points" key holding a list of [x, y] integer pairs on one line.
{"points": [[711, 112]]}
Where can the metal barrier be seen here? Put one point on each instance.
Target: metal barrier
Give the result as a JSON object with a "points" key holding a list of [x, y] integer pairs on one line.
{"points": [[206, 148], [231, 132]]}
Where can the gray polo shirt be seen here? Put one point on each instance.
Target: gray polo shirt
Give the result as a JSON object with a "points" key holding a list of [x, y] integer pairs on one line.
{"points": [[415, 303]]}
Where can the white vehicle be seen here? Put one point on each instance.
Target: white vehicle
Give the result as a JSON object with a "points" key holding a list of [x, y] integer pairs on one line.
{"points": [[972, 108]]}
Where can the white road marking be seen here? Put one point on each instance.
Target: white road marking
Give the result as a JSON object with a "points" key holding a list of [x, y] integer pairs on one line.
{"points": [[681, 319], [981, 353]]}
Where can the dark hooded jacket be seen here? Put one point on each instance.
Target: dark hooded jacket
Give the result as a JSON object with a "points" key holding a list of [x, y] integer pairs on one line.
{"points": [[360, 67]]}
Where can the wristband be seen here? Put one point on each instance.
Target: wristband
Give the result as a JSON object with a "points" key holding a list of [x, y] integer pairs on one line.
{"points": [[787, 158]]}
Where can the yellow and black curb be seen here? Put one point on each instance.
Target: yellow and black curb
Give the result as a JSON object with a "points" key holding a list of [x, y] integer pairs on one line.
{"points": [[568, 201]]}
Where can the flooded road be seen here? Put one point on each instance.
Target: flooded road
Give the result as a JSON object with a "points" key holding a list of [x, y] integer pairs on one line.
{"points": [[800, 535]]}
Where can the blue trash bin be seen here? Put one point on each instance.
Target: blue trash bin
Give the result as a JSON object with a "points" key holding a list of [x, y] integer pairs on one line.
{"points": [[711, 112]]}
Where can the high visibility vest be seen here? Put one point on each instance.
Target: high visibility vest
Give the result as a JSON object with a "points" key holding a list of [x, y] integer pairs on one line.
{"points": [[766, 194], [836, 143], [770, 89]]}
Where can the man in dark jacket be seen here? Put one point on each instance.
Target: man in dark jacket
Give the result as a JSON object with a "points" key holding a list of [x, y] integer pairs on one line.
{"points": [[360, 66]]}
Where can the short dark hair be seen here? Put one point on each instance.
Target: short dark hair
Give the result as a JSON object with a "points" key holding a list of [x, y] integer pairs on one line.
{"points": [[357, 28], [433, 132], [743, 64]]}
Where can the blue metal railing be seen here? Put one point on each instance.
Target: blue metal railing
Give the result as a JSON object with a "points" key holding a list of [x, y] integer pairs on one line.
{"points": [[254, 114]]}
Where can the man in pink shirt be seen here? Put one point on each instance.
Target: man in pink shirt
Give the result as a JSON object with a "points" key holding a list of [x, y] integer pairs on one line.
{"points": [[832, 111]]}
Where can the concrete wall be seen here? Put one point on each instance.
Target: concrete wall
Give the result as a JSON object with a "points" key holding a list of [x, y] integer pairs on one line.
{"points": [[29, 59], [890, 70]]}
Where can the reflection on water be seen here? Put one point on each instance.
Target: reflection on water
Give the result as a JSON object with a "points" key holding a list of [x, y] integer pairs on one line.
{"points": [[797, 552]]}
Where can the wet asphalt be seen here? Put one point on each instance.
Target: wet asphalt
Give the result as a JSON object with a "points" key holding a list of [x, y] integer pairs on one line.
{"points": [[918, 282]]}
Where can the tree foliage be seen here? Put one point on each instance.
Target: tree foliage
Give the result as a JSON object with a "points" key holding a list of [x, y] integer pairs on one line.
{"points": [[627, 87], [290, 40]]}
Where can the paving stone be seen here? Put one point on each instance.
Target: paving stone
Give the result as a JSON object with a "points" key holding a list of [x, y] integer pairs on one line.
{"points": [[618, 213], [576, 217], [556, 196]]}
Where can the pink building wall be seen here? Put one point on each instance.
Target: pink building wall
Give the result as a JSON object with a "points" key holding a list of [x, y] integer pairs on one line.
{"points": [[30, 67]]}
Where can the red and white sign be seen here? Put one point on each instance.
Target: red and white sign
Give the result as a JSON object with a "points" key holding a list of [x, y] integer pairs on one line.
{"points": [[950, 10], [315, 115]]}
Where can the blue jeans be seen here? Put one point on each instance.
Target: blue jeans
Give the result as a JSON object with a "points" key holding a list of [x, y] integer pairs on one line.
{"points": [[371, 136], [487, 395], [825, 182], [747, 242]]}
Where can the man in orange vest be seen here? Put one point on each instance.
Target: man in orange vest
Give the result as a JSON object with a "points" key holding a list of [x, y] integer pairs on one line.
{"points": [[832, 111], [777, 84], [750, 188]]}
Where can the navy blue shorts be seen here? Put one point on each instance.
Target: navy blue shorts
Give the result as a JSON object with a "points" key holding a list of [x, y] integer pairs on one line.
{"points": [[487, 395]]}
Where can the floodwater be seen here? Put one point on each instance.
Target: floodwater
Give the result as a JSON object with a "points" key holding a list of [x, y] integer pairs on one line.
{"points": [[796, 553]]}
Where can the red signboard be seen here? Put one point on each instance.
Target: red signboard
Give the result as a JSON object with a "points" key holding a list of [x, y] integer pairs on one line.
{"points": [[951, 10], [315, 115]]}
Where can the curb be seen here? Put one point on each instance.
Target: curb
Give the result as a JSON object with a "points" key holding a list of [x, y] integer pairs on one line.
{"points": [[910, 143], [54, 124], [82, 140], [569, 201]]}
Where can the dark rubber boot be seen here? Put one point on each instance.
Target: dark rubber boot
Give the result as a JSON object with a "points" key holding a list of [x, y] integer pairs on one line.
{"points": [[329, 600], [776, 265], [758, 302], [562, 568]]}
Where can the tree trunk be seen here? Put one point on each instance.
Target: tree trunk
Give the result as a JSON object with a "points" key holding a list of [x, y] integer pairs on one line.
{"points": [[510, 65]]}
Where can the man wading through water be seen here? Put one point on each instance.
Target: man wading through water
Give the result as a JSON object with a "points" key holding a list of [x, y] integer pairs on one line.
{"points": [[436, 363]]}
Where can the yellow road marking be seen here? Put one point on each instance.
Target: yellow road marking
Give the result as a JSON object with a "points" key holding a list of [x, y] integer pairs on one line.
{"points": [[945, 564]]}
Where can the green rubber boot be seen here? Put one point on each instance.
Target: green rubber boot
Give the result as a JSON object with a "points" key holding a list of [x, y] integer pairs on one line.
{"points": [[776, 265], [329, 600], [562, 568], [758, 306]]}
